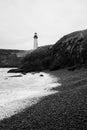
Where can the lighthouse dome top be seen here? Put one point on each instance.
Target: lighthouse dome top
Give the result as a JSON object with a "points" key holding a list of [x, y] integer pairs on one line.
{"points": [[35, 35]]}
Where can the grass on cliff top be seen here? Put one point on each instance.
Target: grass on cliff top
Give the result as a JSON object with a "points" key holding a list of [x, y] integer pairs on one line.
{"points": [[65, 110]]}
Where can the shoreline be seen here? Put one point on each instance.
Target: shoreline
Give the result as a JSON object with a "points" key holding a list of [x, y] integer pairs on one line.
{"points": [[15, 100], [64, 110]]}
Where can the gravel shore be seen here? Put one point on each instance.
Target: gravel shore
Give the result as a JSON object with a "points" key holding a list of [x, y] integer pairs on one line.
{"points": [[64, 110]]}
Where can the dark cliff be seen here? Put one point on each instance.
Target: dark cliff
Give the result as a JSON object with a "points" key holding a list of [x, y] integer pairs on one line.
{"points": [[39, 59], [71, 50], [11, 58]]}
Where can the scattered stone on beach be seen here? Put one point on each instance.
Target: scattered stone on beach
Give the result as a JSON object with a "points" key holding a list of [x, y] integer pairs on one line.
{"points": [[41, 75]]}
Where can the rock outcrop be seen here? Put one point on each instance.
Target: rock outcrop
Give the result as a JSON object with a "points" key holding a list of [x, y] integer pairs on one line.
{"points": [[11, 58], [71, 50], [39, 59]]}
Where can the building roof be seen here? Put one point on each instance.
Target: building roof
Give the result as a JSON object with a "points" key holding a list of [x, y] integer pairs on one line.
{"points": [[35, 35]]}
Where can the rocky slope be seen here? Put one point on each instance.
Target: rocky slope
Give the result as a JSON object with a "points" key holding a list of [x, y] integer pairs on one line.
{"points": [[69, 51], [39, 59]]}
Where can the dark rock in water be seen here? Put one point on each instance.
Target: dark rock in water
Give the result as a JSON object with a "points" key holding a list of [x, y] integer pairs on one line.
{"points": [[16, 76], [24, 73], [41, 75], [14, 71]]}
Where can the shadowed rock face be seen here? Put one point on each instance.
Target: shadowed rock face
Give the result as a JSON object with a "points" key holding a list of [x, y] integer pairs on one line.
{"points": [[39, 59], [10, 58], [70, 50]]}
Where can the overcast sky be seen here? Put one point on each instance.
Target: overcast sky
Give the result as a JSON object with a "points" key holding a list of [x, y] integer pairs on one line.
{"points": [[51, 19]]}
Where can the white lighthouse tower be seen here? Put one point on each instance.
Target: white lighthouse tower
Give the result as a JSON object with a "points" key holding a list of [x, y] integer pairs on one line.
{"points": [[35, 41]]}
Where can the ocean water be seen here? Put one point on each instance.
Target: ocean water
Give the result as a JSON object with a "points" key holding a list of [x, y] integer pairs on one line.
{"points": [[19, 91]]}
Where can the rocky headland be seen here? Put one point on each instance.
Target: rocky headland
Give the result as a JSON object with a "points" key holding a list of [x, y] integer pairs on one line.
{"points": [[68, 52]]}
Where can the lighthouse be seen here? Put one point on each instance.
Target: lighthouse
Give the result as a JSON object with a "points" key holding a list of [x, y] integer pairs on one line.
{"points": [[35, 41]]}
